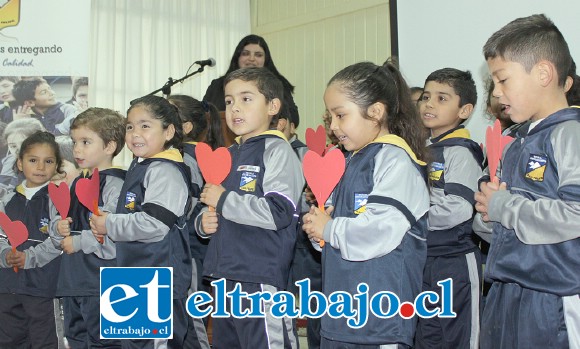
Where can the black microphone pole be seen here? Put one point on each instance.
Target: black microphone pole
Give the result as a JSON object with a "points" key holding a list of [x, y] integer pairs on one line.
{"points": [[166, 89]]}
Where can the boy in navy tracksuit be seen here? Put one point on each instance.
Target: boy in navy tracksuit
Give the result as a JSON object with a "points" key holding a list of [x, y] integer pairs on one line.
{"points": [[448, 99], [533, 260], [98, 135], [253, 228], [37, 95]]}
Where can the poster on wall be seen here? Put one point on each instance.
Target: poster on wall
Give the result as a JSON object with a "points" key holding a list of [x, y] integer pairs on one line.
{"points": [[44, 65]]}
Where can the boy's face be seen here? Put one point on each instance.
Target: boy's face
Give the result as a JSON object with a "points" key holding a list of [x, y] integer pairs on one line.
{"points": [[89, 149], [248, 114], [44, 96], [515, 88], [439, 108], [6, 87]]}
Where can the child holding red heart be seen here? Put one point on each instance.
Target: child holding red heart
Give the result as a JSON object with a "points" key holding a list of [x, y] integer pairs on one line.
{"points": [[375, 230], [26, 297], [149, 225], [98, 135]]}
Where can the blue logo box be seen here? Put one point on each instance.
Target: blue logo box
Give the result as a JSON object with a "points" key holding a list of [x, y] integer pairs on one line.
{"points": [[136, 303]]}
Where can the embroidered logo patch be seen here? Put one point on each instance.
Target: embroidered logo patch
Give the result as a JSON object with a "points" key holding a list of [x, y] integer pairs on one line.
{"points": [[436, 171], [360, 203], [248, 181], [250, 168], [43, 225], [130, 201], [536, 167]]}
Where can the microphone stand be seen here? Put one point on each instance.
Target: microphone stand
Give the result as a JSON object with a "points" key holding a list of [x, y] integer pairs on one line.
{"points": [[166, 89]]}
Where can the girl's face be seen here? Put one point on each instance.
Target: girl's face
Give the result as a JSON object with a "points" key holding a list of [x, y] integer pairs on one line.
{"points": [[38, 164], [6, 87], [14, 141], [145, 135], [352, 129], [252, 55]]}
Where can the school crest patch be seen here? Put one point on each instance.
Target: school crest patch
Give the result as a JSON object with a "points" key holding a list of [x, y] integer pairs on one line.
{"points": [[43, 225], [248, 181], [130, 201], [360, 203], [436, 171], [536, 167]]}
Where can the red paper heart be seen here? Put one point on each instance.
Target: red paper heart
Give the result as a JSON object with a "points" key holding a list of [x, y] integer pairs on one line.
{"points": [[15, 230], [87, 191], [316, 140], [60, 197], [323, 173], [495, 143], [214, 165]]}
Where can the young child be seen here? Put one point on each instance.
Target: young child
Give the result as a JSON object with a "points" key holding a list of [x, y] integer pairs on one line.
{"points": [[70, 169], [533, 259], [14, 134], [80, 93], [37, 95], [253, 228], [149, 226], [27, 311], [6, 97], [448, 100], [201, 122], [377, 229], [97, 135]]}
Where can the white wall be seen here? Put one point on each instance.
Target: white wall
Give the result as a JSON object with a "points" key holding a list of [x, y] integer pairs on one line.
{"points": [[451, 33]]}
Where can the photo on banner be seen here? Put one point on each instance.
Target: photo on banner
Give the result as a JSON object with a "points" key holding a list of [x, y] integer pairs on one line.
{"points": [[44, 74]]}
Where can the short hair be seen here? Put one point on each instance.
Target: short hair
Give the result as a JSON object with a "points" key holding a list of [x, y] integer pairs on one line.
{"points": [[77, 83], [14, 79], [266, 82], [26, 126], [107, 123], [24, 90], [527, 41], [416, 89], [461, 82]]}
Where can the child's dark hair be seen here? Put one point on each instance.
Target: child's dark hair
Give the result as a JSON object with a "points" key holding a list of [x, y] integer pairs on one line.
{"points": [[266, 82], [77, 83], [107, 123], [366, 83], [25, 90], [41, 137], [416, 89], [289, 110], [204, 118], [268, 62], [527, 41], [167, 113], [461, 82], [573, 94]]}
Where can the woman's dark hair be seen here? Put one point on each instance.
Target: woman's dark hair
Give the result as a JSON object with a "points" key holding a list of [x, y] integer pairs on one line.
{"points": [[268, 62], [167, 113], [204, 117]]}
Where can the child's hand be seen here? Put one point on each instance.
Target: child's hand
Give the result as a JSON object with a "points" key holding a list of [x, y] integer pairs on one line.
{"points": [[22, 112], [483, 197], [209, 222], [211, 194], [98, 225], [16, 259], [67, 245], [63, 227], [314, 222]]}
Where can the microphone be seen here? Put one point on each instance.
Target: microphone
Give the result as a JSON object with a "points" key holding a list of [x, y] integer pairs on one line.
{"points": [[209, 61]]}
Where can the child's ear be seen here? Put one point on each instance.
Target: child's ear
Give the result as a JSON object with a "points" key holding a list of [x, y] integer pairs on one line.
{"points": [[19, 165], [282, 123], [377, 111], [465, 111], [187, 127], [274, 106], [110, 148], [169, 132], [546, 72]]}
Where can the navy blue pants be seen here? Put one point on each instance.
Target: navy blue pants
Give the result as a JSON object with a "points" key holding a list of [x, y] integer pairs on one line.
{"points": [[82, 323]]}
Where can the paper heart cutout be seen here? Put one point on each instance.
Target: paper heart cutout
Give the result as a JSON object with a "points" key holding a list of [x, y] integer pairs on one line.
{"points": [[87, 191], [214, 165], [323, 173], [15, 230], [60, 196], [316, 140], [495, 144]]}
